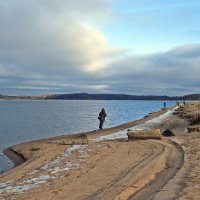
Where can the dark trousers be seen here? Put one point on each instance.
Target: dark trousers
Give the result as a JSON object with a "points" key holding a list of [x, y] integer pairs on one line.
{"points": [[101, 124]]}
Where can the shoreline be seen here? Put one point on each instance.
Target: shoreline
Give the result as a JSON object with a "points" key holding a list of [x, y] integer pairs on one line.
{"points": [[18, 158]]}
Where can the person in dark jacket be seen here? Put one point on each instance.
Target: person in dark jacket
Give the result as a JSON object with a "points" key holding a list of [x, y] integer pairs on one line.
{"points": [[102, 116]]}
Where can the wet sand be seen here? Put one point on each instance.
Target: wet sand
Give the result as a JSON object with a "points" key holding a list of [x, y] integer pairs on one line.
{"points": [[108, 169], [17, 158]]}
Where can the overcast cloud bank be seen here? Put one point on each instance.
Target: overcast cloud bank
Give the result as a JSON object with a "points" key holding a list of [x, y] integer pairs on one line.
{"points": [[60, 47]]}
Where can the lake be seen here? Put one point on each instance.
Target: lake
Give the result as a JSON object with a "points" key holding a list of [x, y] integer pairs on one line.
{"points": [[26, 120]]}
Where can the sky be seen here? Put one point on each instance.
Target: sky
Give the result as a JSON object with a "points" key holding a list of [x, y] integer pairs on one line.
{"points": [[139, 47]]}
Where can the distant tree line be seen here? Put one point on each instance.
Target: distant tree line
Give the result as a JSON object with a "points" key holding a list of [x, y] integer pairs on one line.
{"points": [[86, 96]]}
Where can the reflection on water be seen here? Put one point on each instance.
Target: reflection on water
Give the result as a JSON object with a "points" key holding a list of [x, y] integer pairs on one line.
{"points": [[22, 121]]}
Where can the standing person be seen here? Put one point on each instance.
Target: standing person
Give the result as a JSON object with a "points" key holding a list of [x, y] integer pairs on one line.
{"points": [[164, 104], [102, 116]]}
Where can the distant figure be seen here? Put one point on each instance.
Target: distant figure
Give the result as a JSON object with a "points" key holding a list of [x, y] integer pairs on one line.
{"points": [[164, 104], [102, 116]]}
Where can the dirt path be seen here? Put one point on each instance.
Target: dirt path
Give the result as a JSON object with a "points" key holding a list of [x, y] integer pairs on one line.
{"points": [[143, 180], [174, 161], [128, 176]]}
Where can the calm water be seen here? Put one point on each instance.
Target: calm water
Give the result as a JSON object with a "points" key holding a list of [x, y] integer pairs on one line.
{"points": [[22, 121]]}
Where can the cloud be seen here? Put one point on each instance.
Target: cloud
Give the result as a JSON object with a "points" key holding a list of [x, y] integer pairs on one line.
{"points": [[47, 39], [173, 72], [49, 46], [45, 34]]}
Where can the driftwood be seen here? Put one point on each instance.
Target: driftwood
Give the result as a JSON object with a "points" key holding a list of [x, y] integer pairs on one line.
{"points": [[72, 140], [193, 128], [144, 134]]}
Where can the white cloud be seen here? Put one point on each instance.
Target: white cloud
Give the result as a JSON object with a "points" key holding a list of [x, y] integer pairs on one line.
{"points": [[173, 72], [59, 46], [53, 37]]}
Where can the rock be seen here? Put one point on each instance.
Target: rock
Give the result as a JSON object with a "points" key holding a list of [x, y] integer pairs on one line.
{"points": [[168, 133], [144, 134]]}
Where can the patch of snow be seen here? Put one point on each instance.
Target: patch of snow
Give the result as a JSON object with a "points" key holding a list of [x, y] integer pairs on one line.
{"points": [[37, 180], [32, 172], [53, 166], [3, 185], [20, 187], [50, 164]]}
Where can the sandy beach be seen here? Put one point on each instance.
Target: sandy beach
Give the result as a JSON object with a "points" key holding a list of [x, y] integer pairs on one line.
{"points": [[107, 165]]}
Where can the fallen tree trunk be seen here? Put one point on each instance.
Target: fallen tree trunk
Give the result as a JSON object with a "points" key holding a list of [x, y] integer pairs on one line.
{"points": [[144, 134]]}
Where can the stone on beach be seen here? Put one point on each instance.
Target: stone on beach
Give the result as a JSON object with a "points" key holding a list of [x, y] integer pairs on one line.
{"points": [[168, 133], [144, 134]]}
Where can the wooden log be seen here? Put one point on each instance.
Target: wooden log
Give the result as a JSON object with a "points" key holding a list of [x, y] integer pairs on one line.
{"points": [[144, 134], [193, 129]]}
